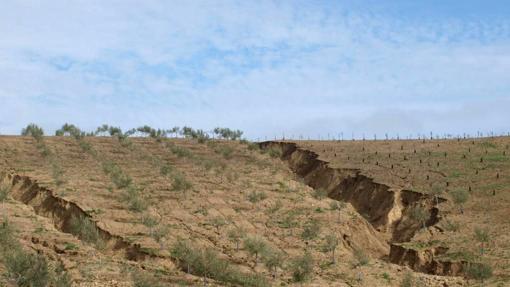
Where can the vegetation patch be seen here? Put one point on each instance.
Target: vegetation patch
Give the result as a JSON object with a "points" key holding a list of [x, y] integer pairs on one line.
{"points": [[207, 263]]}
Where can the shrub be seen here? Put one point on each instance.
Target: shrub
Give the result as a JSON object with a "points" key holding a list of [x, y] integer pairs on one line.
{"points": [[302, 267], [180, 151], [86, 147], [272, 259], [85, 229], [195, 134], [142, 279], [117, 176], [319, 193], [61, 278], [274, 153], [361, 257], [26, 269], [135, 201], [33, 130], [7, 239], [274, 208], [102, 130], [72, 130], [336, 205], [227, 133], [165, 169], [137, 204], [4, 193], [419, 214], [206, 263], [330, 244], [311, 229], [479, 271], [218, 222], [160, 232], [459, 196], [408, 280], [436, 191], [450, 225], [225, 151], [289, 220], [180, 183], [235, 236], [253, 146], [254, 246], [482, 236], [255, 197]]}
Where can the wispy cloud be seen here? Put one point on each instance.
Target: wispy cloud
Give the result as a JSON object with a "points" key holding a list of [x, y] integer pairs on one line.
{"points": [[263, 66]]}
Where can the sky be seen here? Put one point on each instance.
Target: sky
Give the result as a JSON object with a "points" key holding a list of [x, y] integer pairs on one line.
{"points": [[269, 68]]}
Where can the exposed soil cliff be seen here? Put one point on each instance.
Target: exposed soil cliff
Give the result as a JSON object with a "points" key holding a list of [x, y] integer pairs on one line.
{"points": [[62, 212], [388, 210]]}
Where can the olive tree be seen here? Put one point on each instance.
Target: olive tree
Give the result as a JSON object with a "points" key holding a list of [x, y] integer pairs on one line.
{"points": [[482, 236], [330, 244], [273, 259], [301, 267], [254, 246]]}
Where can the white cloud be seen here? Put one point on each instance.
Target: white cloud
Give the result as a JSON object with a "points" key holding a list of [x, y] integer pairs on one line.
{"points": [[263, 66]]}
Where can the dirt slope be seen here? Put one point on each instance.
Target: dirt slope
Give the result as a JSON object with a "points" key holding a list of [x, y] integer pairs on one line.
{"points": [[140, 198]]}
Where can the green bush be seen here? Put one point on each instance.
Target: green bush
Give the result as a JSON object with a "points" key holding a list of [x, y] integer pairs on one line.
{"points": [[7, 239], [311, 229], [165, 169], [320, 193], [289, 220], [225, 151], [235, 235], [459, 196], [33, 130], [274, 153], [301, 267], [134, 199], [272, 259], [85, 229], [330, 244], [336, 205], [253, 146], [361, 257], [254, 246], [255, 197], [450, 225], [227, 133], [61, 278], [180, 183], [142, 279], [4, 193], [419, 214], [206, 263], [180, 151], [479, 271], [26, 269], [117, 176]]}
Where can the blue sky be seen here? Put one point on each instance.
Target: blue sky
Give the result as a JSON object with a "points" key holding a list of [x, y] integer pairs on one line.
{"points": [[266, 67]]}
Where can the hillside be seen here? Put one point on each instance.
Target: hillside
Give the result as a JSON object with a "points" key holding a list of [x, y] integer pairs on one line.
{"points": [[111, 211]]}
